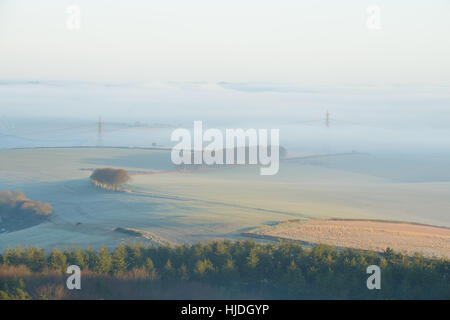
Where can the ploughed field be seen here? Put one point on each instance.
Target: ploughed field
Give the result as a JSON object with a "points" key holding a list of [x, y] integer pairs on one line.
{"points": [[374, 235]]}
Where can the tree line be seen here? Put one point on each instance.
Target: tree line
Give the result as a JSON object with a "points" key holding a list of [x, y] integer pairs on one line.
{"points": [[223, 269]]}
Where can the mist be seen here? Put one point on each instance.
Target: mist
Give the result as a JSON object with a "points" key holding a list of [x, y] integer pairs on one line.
{"points": [[399, 119]]}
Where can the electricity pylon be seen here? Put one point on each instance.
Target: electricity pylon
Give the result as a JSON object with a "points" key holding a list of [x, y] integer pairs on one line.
{"points": [[99, 131], [100, 126]]}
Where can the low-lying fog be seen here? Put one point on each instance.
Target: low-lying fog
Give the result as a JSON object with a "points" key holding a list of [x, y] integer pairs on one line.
{"points": [[388, 120]]}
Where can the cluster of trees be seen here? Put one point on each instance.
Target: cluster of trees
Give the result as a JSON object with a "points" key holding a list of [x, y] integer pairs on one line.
{"points": [[226, 269], [19, 212], [16, 200], [109, 178]]}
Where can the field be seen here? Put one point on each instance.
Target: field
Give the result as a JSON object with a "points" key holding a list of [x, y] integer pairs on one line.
{"points": [[374, 235], [184, 207]]}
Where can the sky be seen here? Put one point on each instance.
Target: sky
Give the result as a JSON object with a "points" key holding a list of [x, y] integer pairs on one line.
{"points": [[285, 41], [246, 63]]}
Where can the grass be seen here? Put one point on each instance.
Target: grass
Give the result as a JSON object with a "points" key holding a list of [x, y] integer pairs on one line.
{"points": [[188, 207]]}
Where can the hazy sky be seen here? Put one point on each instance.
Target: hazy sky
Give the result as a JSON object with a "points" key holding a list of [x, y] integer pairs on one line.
{"points": [[288, 41]]}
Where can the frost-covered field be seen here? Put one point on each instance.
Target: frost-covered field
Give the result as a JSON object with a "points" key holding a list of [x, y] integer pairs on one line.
{"points": [[190, 206]]}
